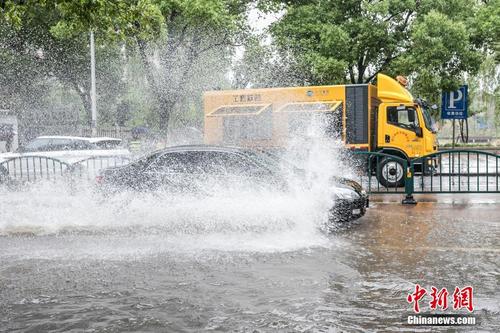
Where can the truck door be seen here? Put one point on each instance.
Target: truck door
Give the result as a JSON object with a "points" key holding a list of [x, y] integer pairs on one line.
{"points": [[400, 128]]}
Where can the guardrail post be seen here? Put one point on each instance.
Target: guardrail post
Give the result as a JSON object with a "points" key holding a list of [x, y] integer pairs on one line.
{"points": [[409, 186]]}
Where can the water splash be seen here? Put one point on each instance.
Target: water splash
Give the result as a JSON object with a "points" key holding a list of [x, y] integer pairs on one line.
{"points": [[133, 224], [152, 222]]}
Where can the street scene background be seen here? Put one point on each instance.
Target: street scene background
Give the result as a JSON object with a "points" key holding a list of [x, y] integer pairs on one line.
{"points": [[73, 261]]}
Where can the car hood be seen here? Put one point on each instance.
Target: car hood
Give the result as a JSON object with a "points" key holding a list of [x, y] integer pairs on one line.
{"points": [[349, 182]]}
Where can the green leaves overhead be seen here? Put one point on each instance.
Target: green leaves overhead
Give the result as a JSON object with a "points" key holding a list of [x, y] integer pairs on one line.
{"points": [[169, 37], [119, 20], [433, 42], [441, 52], [113, 19], [213, 12]]}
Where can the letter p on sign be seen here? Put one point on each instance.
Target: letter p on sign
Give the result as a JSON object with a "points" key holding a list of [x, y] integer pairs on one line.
{"points": [[454, 104], [455, 96]]}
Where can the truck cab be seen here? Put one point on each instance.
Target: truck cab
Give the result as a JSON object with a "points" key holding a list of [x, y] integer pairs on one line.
{"points": [[405, 129], [404, 124]]}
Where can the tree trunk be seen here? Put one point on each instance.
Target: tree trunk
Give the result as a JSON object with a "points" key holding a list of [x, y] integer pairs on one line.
{"points": [[164, 104], [166, 99], [166, 109], [85, 97]]}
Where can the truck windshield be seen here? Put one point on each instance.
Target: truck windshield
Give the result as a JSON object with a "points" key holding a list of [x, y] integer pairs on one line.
{"points": [[429, 121]]}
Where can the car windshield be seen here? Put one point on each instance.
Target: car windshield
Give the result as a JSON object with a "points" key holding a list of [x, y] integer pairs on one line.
{"points": [[108, 144], [78, 145], [38, 144], [429, 121], [145, 160], [276, 162]]}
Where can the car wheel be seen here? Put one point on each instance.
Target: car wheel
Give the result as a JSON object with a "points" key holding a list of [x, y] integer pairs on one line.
{"points": [[390, 172]]}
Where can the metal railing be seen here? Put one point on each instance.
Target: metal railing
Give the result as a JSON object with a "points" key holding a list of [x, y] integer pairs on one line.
{"points": [[73, 129], [368, 166], [29, 169], [448, 171], [32, 168], [451, 171], [90, 167], [375, 178], [459, 171], [114, 132]]}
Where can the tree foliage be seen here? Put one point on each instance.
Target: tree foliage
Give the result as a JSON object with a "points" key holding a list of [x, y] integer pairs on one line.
{"points": [[170, 37], [33, 44], [261, 67], [195, 31], [434, 42], [157, 56]]}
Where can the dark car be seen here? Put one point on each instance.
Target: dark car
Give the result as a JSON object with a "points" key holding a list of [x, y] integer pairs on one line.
{"points": [[206, 169]]}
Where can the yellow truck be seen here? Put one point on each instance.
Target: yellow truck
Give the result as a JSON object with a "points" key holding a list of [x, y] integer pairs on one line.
{"points": [[377, 118]]}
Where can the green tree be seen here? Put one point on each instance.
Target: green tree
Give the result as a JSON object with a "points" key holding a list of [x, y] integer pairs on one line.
{"points": [[348, 41], [194, 30], [484, 92], [33, 53], [262, 66], [169, 36]]}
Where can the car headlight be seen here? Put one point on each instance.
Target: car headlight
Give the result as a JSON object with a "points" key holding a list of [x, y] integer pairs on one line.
{"points": [[345, 193]]}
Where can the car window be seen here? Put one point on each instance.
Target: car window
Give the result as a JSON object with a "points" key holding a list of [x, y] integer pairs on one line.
{"points": [[107, 144], [400, 116], [60, 144], [227, 163], [145, 161], [176, 162], [274, 162], [39, 144], [82, 145], [205, 162]]}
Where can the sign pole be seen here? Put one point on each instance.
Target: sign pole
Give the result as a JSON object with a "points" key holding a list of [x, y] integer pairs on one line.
{"points": [[454, 106], [453, 136], [92, 85], [453, 156]]}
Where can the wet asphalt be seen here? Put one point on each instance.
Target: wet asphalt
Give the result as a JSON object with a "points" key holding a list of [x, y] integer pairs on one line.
{"points": [[355, 280]]}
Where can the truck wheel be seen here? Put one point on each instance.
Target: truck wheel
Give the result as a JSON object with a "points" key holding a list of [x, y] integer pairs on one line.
{"points": [[390, 173]]}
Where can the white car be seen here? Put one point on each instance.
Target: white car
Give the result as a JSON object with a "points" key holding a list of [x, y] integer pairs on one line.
{"points": [[70, 149]]}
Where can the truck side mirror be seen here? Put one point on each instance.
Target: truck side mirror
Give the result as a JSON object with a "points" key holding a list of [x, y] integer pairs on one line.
{"points": [[411, 115], [418, 132]]}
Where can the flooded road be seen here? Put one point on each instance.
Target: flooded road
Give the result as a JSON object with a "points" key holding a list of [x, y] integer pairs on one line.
{"points": [[261, 275]]}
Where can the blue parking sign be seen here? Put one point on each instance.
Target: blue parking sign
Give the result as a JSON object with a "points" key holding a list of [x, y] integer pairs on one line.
{"points": [[454, 104]]}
